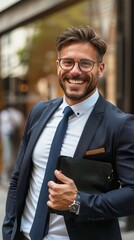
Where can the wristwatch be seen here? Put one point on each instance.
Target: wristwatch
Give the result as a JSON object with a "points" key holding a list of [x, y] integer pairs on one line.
{"points": [[75, 206]]}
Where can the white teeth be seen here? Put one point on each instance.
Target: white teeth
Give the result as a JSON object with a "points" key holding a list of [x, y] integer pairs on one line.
{"points": [[76, 81]]}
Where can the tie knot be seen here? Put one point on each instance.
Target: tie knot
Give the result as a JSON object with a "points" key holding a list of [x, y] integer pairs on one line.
{"points": [[68, 111]]}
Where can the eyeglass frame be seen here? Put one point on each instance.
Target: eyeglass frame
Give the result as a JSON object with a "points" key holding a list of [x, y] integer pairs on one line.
{"points": [[93, 62]]}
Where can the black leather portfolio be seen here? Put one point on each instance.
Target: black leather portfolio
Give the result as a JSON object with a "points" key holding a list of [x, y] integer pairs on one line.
{"points": [[89, 175]]}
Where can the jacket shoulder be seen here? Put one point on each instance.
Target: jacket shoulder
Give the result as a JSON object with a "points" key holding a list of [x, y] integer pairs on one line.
{"points": [[38, 109]]}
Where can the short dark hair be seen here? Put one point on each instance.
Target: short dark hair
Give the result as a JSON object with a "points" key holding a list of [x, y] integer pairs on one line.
{"points": [[81, 34]]}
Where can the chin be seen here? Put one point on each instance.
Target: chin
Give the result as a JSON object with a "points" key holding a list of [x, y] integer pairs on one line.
{"points": [[75, 97]]}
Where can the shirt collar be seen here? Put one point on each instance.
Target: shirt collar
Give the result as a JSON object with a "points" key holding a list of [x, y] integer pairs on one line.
{"points": [[85, 105]]}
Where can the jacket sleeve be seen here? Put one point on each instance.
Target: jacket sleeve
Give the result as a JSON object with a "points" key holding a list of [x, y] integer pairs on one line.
{"points": [[11, 196], [119, 202], [10, 215]]}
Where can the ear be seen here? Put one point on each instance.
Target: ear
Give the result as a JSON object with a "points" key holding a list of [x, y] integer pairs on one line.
{"points": [[101, 70], [57, 65]]}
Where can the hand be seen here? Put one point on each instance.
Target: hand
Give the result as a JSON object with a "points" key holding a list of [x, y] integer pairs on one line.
{"points": [[61, 195]]}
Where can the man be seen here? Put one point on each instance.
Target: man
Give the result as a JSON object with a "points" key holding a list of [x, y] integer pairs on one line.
{"points": [[95, 124]]}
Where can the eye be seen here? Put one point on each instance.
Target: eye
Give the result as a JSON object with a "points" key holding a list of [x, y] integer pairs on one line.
{"points": [[86, 64], [67, 62]]}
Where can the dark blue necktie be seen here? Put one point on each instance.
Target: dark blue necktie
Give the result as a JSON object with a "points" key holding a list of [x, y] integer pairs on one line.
{"points": [[40, 223]]}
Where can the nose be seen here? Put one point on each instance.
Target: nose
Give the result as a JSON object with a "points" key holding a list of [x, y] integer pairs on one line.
{"points": [[76, 68]]}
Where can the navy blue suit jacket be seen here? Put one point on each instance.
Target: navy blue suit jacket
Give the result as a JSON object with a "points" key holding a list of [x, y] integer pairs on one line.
{"points": [[106, 127]]}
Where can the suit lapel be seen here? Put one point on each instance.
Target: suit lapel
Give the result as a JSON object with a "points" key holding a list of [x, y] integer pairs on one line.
{"points": [[48, 112], [91, 127]]}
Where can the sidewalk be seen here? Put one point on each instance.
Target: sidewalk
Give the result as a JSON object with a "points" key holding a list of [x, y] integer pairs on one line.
{"points": [[126, 235], [3, 195]]}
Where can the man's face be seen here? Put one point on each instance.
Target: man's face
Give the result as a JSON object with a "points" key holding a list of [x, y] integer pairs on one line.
{"points": [[77, 84]]}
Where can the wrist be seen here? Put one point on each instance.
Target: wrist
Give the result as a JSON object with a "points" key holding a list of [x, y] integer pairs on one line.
{"points": [[75, 206]]}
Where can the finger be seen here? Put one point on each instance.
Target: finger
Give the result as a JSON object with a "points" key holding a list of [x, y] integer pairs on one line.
{"points": [[50, 190], [53, 187], [49, 204], [51, 184], [60, 176], [50, 198]]}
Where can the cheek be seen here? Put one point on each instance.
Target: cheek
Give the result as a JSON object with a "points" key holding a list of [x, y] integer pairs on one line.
{"points": [[94, 74], [59, 73], [91, 76]]}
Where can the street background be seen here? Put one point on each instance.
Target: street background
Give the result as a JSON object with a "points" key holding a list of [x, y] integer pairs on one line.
{"points": [[3, 194]]}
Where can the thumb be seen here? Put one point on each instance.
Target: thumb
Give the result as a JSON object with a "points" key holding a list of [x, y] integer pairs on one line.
{"points": [[60, 176]]}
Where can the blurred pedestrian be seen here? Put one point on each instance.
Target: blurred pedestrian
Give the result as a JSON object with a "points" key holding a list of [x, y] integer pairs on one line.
{"points": [[11, 121]]}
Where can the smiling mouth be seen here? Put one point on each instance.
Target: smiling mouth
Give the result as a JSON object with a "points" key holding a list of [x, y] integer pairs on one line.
{"points": [[72, 81]]}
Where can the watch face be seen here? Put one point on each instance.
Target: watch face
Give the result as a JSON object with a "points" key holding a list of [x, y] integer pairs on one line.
{"points": [[74, 208]]}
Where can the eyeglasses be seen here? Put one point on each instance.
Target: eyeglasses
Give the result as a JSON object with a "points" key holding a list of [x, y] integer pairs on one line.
{"points": [[85, 65]]}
